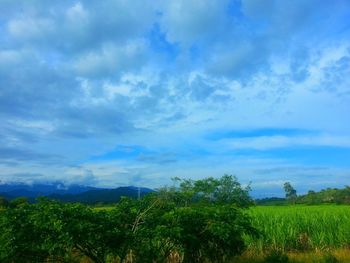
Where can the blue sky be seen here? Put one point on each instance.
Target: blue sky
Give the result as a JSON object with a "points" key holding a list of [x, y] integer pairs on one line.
{"points": [[116, 92]]}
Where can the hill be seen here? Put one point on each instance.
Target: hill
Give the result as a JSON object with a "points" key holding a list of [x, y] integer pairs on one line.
{"points": [[70, 193], [102, 195]]}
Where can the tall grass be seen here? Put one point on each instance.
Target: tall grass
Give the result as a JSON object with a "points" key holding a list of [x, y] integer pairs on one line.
{"points": [[300, 227]]}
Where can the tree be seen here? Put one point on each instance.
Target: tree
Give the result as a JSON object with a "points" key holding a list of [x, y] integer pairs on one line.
{"points": [[311, 198], [49, 230], [3, 202], [222, 191], [291, 193], [207, 233], [19, 201]]}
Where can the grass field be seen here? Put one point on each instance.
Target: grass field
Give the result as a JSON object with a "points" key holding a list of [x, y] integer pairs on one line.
{"points": [[305, 233], [301, 227]]}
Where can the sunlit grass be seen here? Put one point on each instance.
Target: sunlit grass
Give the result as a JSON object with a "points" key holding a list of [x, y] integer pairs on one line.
{"points": [[301, 227]]}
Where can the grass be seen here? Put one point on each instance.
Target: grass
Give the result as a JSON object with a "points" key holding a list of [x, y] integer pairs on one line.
{"points": [[304, 233], [301, 227]]}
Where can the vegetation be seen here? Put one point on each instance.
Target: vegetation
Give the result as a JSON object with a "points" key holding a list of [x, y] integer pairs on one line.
{"points": [[197, 221], [325, 196], [210, 220], [291, 193], [300, 227], [329, 195]]}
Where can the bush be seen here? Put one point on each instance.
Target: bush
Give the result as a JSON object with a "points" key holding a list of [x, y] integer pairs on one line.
{"points": [[51, 229], [213, 233]]}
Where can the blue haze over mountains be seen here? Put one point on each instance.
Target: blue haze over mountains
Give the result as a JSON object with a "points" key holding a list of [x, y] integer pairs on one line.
{"points": [[70, 193], [37, 189]]}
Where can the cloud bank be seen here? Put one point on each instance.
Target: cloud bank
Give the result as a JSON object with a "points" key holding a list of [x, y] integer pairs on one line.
{"points": [[116, 93]]}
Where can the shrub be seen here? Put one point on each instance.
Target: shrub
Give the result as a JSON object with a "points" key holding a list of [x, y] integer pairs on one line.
{"points": [[213, 233]]}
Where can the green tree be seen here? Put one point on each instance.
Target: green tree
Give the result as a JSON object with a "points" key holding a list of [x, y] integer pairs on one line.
{"points": [[291, 193], [19, 201], [3, 202], [52, 230], [225, 190], [311, 198], [207, 233]]}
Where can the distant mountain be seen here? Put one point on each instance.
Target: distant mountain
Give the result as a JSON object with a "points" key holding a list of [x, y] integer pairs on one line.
{"points": [[40, 189], [102, 195], [70, 193], [56, 187]]}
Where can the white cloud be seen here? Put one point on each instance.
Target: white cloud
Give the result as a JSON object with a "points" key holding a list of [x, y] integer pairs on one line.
{"points": [[11, 58], [111, 60], [77, 14], [28, 28], [271, 142], [193, 21]]}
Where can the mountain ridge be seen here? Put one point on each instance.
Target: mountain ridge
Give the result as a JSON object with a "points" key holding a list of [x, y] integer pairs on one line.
{"points": [[70, 193]]}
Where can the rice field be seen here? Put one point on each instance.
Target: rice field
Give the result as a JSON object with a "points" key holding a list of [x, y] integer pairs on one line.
{"points": [[300, 228]]}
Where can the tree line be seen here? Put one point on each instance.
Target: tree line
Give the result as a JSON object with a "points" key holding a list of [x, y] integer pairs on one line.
{"points": [[325, 196]]}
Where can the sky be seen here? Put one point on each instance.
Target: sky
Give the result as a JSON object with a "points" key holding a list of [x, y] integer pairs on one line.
{"points": [[114, 93]]}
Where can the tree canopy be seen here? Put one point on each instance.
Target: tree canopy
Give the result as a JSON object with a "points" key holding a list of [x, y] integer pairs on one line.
{"points": [[195, 222]]}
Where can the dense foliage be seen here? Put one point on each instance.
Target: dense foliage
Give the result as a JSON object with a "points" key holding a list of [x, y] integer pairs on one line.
{"points": [[197, 221], [329, 195], [225, 190]]}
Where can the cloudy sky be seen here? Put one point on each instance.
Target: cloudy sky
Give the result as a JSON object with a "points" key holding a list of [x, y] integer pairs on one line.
{"points": [[117, 92]]}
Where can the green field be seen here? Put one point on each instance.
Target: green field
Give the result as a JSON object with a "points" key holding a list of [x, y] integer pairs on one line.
{"points": [[301, 227], [303, 232]]}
